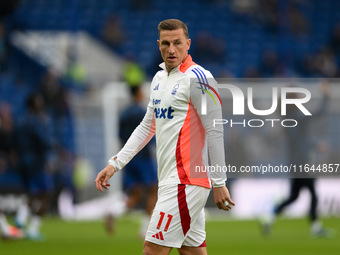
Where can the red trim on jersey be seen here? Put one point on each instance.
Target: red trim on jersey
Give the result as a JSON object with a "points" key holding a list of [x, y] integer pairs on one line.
{"points": [[190, 144], [182, 175], [183, 151], [204, 244], [197, 142], [183, 209], [186, 64]]}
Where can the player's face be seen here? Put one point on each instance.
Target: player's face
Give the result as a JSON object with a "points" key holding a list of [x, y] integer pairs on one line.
{"points": [[174, 47]]}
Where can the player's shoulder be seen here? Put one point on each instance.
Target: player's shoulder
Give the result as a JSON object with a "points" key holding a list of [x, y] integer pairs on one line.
{"points": [[159, 74], [157, 77], [197, 71]]}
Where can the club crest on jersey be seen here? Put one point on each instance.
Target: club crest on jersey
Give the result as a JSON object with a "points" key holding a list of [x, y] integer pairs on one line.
{"points": [[174, 89]]}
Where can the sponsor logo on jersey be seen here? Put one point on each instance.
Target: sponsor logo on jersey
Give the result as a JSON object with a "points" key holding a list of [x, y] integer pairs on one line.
{"points": [[164, 113], [156, 101], [156, 87]]}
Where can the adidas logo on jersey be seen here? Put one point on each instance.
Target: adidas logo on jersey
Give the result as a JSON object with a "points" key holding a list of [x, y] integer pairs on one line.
{"points": [[158, 235], [156, 87]]}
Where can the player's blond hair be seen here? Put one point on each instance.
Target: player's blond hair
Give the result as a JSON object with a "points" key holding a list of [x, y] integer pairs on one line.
{"points": [[173, 24]]}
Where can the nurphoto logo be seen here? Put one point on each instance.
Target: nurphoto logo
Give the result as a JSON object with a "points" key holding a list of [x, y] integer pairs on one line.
{"points": [[240, 101]]}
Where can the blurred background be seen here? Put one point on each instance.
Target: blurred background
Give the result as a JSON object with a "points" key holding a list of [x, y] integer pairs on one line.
{"points": [[82, 56]]}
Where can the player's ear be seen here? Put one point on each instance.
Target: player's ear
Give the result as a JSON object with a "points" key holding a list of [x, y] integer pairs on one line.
{"points": [[188, 43], [159, 44]]}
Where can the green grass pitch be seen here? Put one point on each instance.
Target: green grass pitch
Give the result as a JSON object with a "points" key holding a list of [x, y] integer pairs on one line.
{"points": [[289, 237]]}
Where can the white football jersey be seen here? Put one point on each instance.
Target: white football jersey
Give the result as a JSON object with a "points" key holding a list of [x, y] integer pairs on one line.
{"points": [[183, 134]]}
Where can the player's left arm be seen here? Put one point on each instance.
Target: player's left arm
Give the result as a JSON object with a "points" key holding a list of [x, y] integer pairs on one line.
{"points": [[213, 110]]}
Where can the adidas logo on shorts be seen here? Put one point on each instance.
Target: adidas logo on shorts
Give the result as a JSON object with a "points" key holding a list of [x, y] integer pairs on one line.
{"points": [[159, 236]]}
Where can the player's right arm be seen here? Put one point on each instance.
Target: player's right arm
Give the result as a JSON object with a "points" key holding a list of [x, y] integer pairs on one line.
{"points": [[103, 177], [138, 139]]}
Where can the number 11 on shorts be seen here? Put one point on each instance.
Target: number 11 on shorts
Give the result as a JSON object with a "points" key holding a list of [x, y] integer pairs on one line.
{"points": [[162, 214]]}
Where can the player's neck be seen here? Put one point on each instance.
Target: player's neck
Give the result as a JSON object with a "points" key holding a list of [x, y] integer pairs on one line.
{"points": [[169, 69]]}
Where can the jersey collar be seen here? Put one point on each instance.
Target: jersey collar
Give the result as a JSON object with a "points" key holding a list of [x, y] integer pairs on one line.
{"points": [[182, 67]]}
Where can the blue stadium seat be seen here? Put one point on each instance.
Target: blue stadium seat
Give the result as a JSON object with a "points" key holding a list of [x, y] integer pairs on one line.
{"points": [[217, 18]]}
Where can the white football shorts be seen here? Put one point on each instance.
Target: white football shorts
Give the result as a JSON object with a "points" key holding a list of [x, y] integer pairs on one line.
{"points": [[178, 218]]}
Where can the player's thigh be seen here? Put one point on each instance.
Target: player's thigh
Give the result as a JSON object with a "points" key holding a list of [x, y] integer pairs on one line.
{"points": [[196, 235], [192, 251], [173, 222], [165, 227], [155, 249]]}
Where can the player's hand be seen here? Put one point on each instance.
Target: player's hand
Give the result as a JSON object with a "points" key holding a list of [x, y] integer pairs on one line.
{"points": [[103, 178], [221, 196]]}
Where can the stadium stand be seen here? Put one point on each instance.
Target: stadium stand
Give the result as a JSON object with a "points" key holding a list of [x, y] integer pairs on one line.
{"points": [[246, 34], [298, 32]]}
